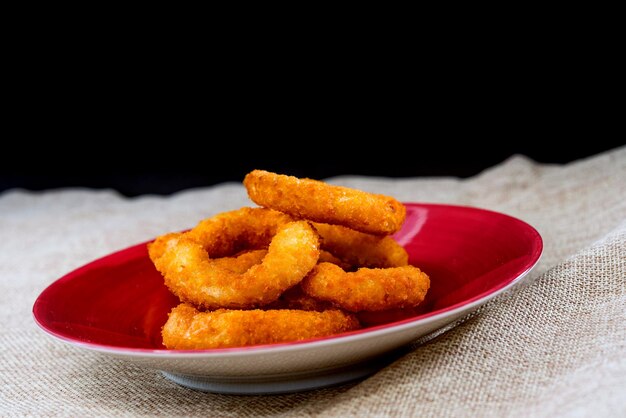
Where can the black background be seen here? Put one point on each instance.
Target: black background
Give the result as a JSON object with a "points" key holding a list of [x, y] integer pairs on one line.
{"points": [[159, 112], [134, 169], [139, 125]]}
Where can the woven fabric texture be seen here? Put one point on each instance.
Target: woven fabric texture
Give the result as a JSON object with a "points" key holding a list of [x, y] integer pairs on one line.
{"points": [[555, 346]]}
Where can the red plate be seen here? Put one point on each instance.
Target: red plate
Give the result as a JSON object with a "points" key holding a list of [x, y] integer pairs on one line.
{"points": [[117, 304]]}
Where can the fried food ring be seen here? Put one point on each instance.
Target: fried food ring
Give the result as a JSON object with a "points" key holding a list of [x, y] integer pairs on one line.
{"points": [[242, 262], [185, 260], [295, 298], [238, 230], [229, 233], [321, 202], [367, 289], [360, 249], [189, 329]]}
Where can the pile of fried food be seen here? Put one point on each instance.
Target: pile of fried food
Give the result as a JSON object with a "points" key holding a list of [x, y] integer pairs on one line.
{"points": [[300, 266]]}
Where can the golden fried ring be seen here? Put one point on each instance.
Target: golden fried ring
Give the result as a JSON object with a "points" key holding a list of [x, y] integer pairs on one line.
{"points": [[295, 298], [189, 329], [194, 277], [361, 249], [237, 264], [327, 257], [241, 262], [321, 202], [231, 232], [367, 289]]}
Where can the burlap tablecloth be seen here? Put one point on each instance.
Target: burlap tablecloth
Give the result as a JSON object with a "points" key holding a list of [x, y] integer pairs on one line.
{"points": [[554, 347]]}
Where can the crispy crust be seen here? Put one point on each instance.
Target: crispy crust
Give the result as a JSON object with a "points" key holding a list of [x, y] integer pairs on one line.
{"points": [[311, 255], [321, 202], [295, 298], [240, 263], [189, 329], [192, 275], [367, 289], [229, 233], [359, 249]]}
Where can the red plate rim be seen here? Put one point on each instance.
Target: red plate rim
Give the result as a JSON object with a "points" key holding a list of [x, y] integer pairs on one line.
{"points": [[376, 330]]}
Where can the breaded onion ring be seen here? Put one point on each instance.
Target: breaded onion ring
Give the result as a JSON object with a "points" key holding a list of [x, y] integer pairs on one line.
{"points": [[231, 232], [189, 329], [192, 275], [295, 298], [327, 257], [361, 249], [240, 263], [367, 289], [321, 202]]}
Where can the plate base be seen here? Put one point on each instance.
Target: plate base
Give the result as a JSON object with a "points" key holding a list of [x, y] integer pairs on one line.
{"points": [[276, 384]]}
